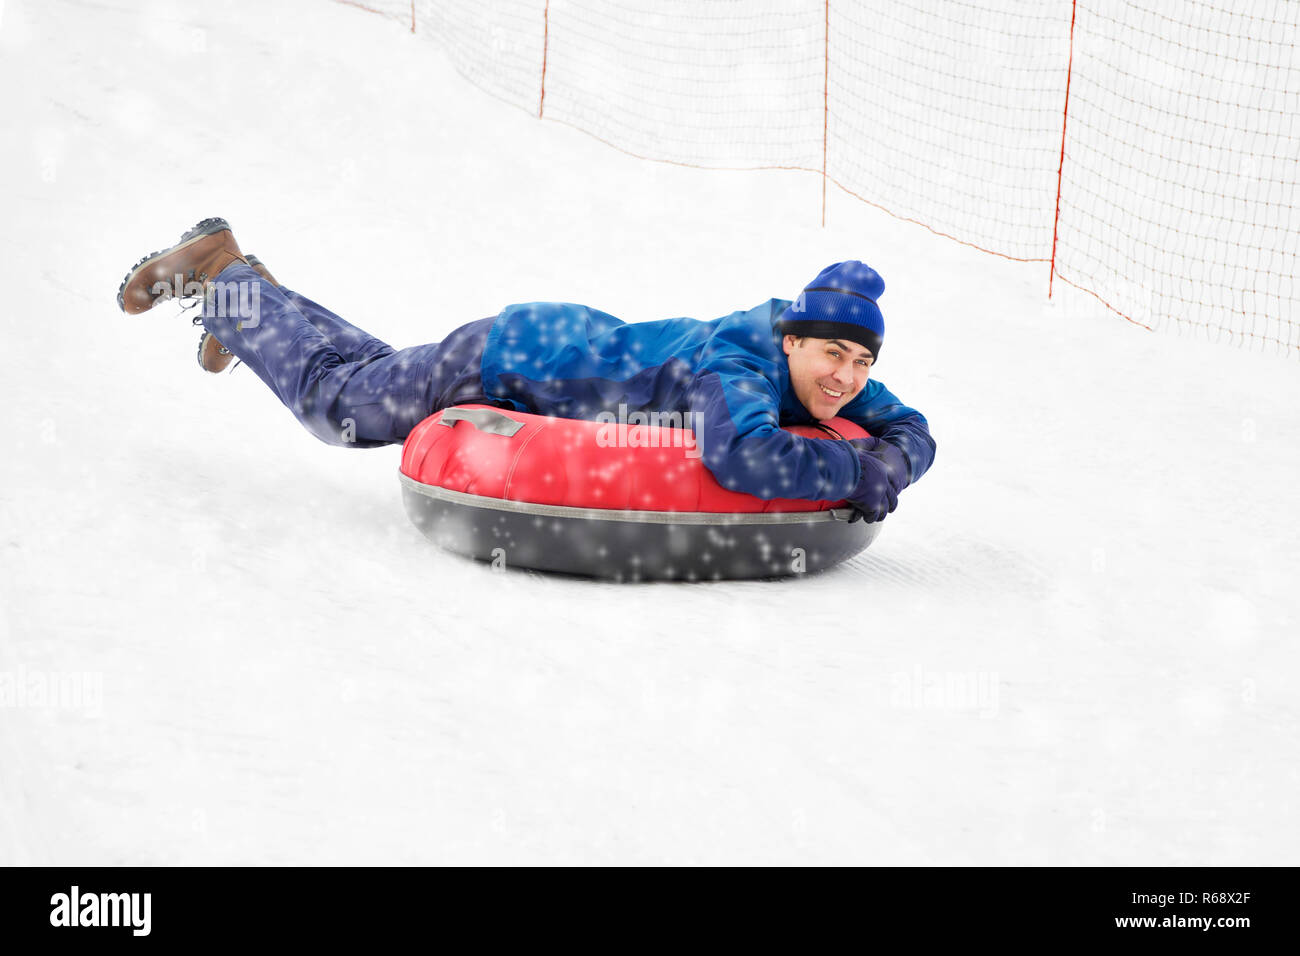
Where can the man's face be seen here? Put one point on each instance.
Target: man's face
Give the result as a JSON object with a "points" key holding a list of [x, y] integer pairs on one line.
{"points": [[826, 373]]}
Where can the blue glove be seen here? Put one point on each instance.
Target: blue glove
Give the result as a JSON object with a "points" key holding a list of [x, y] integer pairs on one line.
{"points": [[884, 475]]}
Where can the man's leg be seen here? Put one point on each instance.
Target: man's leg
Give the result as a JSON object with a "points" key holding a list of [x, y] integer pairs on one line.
{"points": [[371, 395], [354, 344]]}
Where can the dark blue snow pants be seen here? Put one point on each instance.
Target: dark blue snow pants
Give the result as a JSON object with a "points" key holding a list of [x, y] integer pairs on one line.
{"points": [[344, 385]]}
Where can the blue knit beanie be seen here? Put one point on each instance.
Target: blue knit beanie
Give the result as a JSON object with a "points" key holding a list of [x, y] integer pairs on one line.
{"points": [[840, 304]]}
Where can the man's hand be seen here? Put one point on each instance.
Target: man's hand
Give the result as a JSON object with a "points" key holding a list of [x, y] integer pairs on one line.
{"points": [[884, 475]]}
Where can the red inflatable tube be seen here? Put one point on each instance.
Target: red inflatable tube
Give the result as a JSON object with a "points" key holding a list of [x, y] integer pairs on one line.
{"points": [[609, 500]]}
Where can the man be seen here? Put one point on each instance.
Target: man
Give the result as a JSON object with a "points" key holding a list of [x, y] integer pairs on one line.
{"points": [[740, 377]]}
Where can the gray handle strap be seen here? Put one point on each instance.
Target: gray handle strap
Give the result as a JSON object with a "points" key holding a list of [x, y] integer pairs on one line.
{"points": [[484, 419]]}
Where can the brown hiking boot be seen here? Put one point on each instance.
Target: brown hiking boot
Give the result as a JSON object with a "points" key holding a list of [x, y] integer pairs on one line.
{"points": [[184, 270], [213, 356]]}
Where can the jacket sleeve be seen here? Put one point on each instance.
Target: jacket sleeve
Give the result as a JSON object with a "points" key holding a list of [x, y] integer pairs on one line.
{"points": [[880, 412], [737, 419]]}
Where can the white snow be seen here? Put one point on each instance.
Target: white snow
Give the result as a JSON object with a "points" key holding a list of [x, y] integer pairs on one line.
{"points": [[1071, 644]]}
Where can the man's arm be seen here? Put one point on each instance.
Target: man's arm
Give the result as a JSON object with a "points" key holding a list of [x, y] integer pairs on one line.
{"points": [[880, 412], [741, 442]]}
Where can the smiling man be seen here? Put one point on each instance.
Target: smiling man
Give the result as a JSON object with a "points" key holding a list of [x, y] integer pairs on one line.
{"points": [[829, 340], [738, 378]]}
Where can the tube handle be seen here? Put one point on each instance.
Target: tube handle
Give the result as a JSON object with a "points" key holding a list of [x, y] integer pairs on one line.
{"points": [[484, 419]]}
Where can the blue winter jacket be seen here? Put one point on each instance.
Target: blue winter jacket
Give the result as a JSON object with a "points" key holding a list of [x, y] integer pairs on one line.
{"points": [[571, 361]]}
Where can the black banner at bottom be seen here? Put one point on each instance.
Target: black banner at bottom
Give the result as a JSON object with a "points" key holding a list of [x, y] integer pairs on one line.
{"points": [[134, 906]]}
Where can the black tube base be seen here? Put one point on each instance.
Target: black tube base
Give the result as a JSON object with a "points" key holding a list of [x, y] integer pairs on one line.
{"points": [[622, 550]]}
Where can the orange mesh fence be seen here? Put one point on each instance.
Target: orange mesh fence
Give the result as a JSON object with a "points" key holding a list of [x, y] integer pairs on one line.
{"points": [[1145, 153], [1178, 187]]}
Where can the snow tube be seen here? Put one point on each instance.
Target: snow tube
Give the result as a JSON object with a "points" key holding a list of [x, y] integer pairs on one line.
{"points": [[627, 502]]}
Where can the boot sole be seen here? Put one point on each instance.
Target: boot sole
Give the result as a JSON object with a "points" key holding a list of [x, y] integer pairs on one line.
{"points": [[203, 228]]}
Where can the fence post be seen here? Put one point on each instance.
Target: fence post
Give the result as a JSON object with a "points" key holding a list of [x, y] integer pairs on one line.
{"points": [[546, 43], [1065, 115]]}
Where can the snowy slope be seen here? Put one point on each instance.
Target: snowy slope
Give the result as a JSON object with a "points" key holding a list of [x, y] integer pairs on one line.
{"points": [[1073, 642]]}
